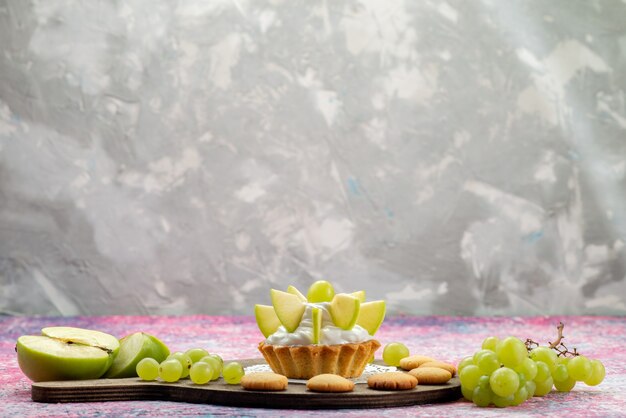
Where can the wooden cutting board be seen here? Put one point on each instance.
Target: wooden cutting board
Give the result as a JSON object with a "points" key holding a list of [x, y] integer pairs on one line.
{"points": [[219, 393]]}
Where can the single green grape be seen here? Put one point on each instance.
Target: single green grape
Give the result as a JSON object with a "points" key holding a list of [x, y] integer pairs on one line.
{"points": [[218, 358], [597, 373], [215, 365], [528, 367], [522, 379], [579, 368], [546, 355], [320, 291], [185, 362], [195, 354], [465, 362], [520, 396], [562, 360], [479, 354], [531, 386], [483, 382], [147, 369], [468, 394], [233, 372], [565, 385], [490, 343], [543, 388], [559, 374], [488, 363], [201, 372], [511, 352], [504, 382], [394, 352], [482, 397], [501, 401], [469, 376], [543, 371], [170, 370]]}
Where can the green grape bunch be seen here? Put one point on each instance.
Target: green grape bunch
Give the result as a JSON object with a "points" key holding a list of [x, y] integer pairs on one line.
{"points": [[507, 372]]}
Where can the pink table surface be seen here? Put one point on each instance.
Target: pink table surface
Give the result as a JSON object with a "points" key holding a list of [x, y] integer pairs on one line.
{"points": [[448, 338]]}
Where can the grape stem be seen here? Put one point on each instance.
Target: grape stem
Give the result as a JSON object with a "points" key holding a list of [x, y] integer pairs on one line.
{"points": [[559, 329], [557, 345]]}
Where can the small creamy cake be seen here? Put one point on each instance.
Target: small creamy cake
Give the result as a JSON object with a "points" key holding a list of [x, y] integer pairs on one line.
{"points": [[317, 334]]}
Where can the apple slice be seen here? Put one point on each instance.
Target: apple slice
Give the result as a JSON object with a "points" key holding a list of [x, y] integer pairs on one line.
{"points": [[134, 348], [266, 319], [289, 309], [371, 316], [317, 324], [68, 353], [344, 310], [360, 295], [292, 289]]}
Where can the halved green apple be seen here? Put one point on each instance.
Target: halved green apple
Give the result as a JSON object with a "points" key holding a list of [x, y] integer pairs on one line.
{"points": [[66, 353], [344, 310], [292, 289], [371, 315], [360, 295], [134, 348], [289, 309], [317, 324], [266, 319]]}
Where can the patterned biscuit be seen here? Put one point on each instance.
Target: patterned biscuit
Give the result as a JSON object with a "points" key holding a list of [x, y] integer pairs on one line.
{"points": [[411, 362], [392, 381], [264, 381], [446, 366], [329, 383], [431, 375]]}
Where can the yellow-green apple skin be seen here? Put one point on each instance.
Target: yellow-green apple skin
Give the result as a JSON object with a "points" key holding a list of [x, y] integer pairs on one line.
{"points": [[43, 358], [134, 348]]}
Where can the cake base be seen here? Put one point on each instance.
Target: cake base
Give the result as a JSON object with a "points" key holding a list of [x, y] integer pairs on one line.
{"points": [[306, 361]]}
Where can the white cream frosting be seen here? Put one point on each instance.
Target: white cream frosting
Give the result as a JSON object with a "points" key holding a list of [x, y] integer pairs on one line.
{"points": [[329, 335]]}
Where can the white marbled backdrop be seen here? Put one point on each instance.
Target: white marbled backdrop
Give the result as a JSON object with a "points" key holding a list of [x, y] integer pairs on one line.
{"points": [[175, 157]]}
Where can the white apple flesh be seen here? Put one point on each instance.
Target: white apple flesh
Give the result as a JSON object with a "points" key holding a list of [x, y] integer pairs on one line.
{"points": [[83, 336]]}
